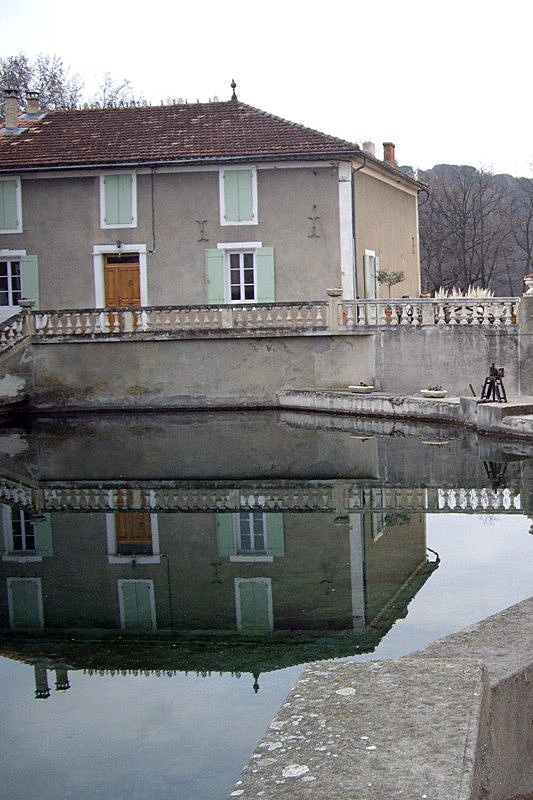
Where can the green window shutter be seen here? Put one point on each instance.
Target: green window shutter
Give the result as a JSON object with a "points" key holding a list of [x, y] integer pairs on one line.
{"points": [[111, 199], [8, 206], [246, 203], [214, 264], [254, 607], [231, 195], [225, 535], [275, 537], [124, 191], [2, 541], [29, 268], [43, 536], [137, 606], [370, 270], [376, 282], [25, 605], [264, 265]]}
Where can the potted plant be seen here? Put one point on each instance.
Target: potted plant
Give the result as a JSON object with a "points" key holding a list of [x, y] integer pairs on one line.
{"points": [[434, 391], [362, 388]]}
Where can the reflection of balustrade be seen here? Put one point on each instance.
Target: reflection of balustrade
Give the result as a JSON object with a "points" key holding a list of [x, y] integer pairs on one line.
{"points": [[478, 500], [414, 312]]}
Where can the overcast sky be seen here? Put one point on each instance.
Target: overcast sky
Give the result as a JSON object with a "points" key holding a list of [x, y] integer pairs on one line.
{"points": [[447, 82]]}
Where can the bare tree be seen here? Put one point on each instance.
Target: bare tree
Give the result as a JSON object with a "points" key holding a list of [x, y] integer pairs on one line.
{"points": [[47, 75], [465, 228], [522, 228], [115, 94]]}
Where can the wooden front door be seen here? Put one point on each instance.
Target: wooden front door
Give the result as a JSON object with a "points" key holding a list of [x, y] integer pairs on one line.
{"points": [[122, 281]]}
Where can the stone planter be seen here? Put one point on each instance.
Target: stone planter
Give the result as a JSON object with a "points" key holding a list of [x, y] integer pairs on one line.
{"points": [[435, 393], [361, 389]]}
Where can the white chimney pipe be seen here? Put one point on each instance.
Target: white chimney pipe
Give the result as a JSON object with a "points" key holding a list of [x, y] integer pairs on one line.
{"points": [[33, 105]]}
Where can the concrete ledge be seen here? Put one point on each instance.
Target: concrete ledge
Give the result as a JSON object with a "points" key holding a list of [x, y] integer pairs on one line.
{"points": [[386, 729], [514, 418], [454, 721]]}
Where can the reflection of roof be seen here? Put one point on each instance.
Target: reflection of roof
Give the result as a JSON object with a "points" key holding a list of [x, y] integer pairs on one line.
{"points": [[209, 651]]}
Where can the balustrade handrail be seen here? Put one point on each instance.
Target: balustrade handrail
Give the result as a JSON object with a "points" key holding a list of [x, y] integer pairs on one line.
{"points": [[181, 307]]}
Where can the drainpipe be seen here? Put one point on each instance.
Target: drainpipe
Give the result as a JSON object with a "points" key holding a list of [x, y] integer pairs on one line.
{"points": [[354, 224]]}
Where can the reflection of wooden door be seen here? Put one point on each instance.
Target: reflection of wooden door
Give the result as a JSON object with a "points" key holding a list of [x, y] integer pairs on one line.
{"points": [[122, 281], [133, 533]]}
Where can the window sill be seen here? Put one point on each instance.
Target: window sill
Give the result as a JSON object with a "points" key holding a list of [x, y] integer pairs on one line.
{"points": [[140, 559], [240, 559]]}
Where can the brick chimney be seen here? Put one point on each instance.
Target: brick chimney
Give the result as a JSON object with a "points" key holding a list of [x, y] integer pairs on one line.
{"points": [[33, 105], [11, 109], [388, 154]]}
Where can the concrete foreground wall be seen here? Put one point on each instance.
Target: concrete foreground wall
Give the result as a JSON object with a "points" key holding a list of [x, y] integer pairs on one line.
{"points": [[240, 370], [454, 722]]}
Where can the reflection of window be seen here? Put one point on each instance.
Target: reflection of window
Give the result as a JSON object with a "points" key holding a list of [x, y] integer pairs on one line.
{"points": [[136, 605], [251, 534], [132, 536], [253, 605], [25, 603], [25, 537], [10, 285], [23, 531]]}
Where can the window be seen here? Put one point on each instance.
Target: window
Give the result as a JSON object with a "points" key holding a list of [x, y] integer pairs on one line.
{"points": [[118, 200], [238, 196], [253, 605], [10, 206], [240, 272], [10, 283], [241, 277]]}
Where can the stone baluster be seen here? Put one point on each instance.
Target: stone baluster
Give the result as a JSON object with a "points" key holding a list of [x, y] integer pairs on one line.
{"points": [[441, 316]]}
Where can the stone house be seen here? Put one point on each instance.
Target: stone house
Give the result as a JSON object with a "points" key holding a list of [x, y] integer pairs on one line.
{"points": [[205, 203]]}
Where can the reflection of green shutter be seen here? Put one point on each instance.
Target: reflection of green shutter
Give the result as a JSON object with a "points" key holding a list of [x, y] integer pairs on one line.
{"points": [[43, 536], [2, 541], [214, 264], [225, 535], [8, 206], [25, 604], [274, 535], [254, 607], [29, 269], [264, 262], [137, 606], [238, 195]]}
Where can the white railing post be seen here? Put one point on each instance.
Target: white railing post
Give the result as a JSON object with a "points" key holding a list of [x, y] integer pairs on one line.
{"points": [[28, 320]]}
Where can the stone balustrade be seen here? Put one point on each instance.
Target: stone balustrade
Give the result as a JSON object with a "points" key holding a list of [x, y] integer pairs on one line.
{"points": [[414, 312], [12, 331]]}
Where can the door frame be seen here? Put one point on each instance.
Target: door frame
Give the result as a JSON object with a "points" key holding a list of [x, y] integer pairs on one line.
{"points": [[111, 535], [100, 251]]}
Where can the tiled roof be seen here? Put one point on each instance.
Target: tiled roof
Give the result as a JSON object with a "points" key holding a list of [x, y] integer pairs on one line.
{"points": [[195, 133]]}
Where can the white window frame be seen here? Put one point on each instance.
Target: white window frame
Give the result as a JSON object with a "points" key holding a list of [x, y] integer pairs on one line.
{"points": [[10, 553], [11, 255], [103, 224], [221, 170], [100, 251], [238, 613], [120, 583], [18, 195], [245, 557], [10, 582], [114, 558], [237, 247]]}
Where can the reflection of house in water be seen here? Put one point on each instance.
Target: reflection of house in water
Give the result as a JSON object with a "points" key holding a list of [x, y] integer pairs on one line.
{"points": [[242, 591]]}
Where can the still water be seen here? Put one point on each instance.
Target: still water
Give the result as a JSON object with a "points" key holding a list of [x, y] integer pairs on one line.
{"points": [[165, 579]]}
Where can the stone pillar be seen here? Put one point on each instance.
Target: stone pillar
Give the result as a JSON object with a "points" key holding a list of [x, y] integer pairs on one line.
{"points": [[29, 319], [333, 308], [525, 345], [62, 682]]}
